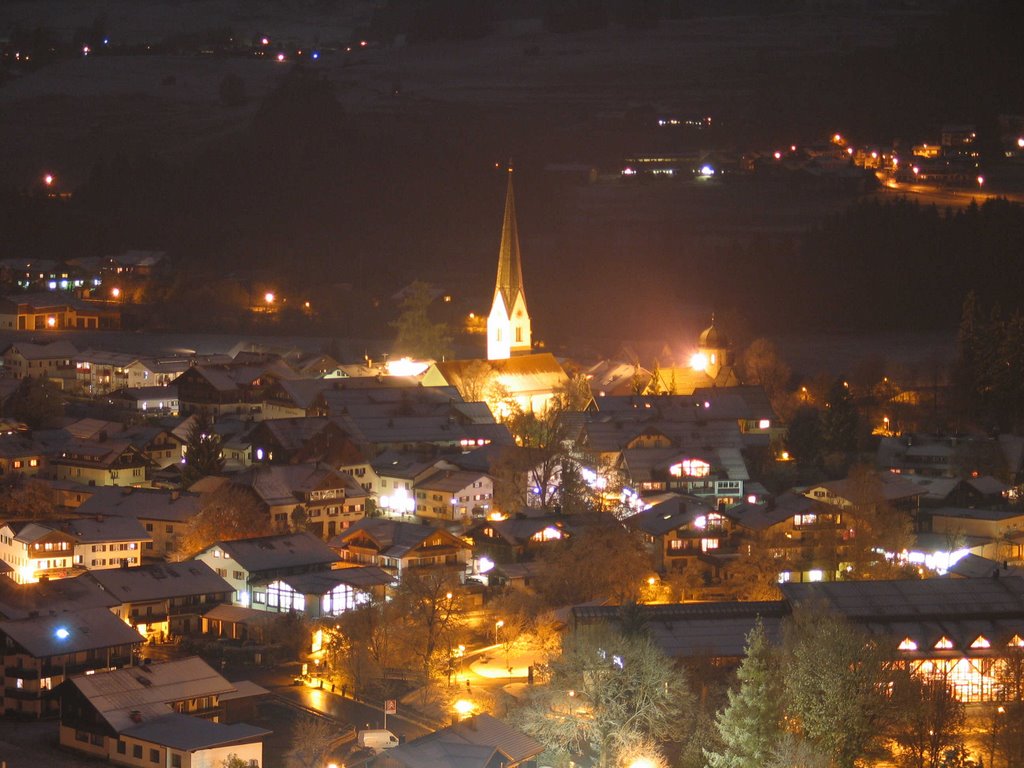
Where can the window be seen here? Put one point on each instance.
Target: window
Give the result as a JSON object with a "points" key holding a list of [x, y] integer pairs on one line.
{"points": [[16, 464], [222, 572], [154, 755], [33, 462], [121, 747], [238, 575], [137, 751], [175, 760], [149, 527]]}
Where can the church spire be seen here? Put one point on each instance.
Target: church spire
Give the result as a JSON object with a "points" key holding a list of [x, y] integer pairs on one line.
{"points": [[508, 326], [510, 266]]}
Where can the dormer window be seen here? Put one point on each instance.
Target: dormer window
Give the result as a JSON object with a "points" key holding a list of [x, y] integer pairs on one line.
{"points": [[690, 468], [908, 645], [1016, 642], [943, 644], [981, 642]]}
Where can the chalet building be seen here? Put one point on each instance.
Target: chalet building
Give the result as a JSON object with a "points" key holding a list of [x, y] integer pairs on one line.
{"points": [[163, 514], [164, 600], [287, 398], [302, 440], [923, 625], [522, 538], [56, 549], [683, 529], [55, 361], [878, 488], [100, 462], [35, 551], [226, 390], [169, 714], [312, 496], [398, 546], [294, 572], [44, 647], [149, 401]]}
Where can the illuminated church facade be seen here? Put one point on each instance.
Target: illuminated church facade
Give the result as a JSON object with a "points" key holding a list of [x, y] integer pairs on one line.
{"points": [[508, 325]]}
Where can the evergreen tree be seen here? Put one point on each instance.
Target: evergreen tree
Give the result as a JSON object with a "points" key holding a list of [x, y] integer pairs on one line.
{"points": [[37, 402], [839, 424], [418, 335], [202, 451], [751, 724]]}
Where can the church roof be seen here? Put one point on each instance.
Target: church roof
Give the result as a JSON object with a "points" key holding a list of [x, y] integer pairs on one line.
{"points": [[713, 338], [510, 267]]}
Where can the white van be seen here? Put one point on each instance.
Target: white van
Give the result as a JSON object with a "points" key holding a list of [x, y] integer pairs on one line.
{"points": [[376, 739]]}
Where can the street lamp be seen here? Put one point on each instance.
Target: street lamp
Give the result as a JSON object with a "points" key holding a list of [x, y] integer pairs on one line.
{"points": [[498, 625]]}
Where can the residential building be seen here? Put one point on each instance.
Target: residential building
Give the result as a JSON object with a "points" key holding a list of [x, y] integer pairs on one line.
{"points": [[397, 546], [55, 360], [167, 714], [43, 648], [164, 600], [163, 514], [454, 495], [100, 462], [292, 572]]}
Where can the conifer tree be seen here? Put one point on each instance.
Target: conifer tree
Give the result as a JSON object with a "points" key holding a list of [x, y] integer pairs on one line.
{"points": [[202, 451], [751, 724]]}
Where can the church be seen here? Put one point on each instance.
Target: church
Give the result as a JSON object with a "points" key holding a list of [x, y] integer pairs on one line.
{"points": [[515, 373]]}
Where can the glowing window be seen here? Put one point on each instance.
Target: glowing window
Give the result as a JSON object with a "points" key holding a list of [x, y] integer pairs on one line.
{"points": [[908, 645], [1016, 642], [690, 468], [981, 642], [944, 644], [764, 424]]}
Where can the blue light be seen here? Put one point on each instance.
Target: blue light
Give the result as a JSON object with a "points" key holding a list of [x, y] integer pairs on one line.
{"points": [[62, 633], [316, 54]]}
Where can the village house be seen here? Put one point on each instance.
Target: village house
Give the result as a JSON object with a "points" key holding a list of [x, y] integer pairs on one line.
{"points": [[398, 546], [164, 600], [164, 514], [55, 361], [292, 572], [100, 462], [42, 647], [169, 714]]}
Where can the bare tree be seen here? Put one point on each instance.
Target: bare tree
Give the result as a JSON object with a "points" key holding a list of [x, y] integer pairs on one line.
{"points": [[312, 738], [230, 512]]}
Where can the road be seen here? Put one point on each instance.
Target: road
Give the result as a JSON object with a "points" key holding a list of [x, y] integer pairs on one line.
{"points": [[946, 197]]}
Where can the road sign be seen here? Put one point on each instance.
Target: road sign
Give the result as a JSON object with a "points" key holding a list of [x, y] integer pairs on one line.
{"points": [[390, 707]]}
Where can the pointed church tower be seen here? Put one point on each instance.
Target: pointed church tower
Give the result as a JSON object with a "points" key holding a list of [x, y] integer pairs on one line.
{"points": [[508, 325]]}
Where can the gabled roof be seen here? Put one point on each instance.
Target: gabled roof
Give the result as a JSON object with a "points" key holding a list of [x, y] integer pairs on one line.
{"points": [[191, 734], [523, 374], [101, 453], [278, 484], [669, 515], [470, 743], [56, 350], [91, 530], [18, 601], [148, 690], [394, 538], [141, 503], [884, 486], [85, 629], [160, 581], [267, 553], [449, 481]]}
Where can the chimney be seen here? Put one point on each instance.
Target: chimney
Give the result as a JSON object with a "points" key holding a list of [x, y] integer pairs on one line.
{"points": [[175, 494]]}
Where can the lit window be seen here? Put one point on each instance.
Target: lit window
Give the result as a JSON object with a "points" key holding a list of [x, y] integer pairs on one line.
{"points": [[690, 468], [981, 642], [764, 424], [944, 644], [815, 575], [1016, 642], [908, 645]]}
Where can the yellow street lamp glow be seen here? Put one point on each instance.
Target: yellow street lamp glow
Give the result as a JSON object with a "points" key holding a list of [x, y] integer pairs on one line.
{"points": [[269, 297], [642, 762], [699, 361], [115, 292], [463, 707]]}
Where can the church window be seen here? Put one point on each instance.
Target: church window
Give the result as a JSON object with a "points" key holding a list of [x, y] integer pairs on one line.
{"points": [[497, 334], [519, 334]]}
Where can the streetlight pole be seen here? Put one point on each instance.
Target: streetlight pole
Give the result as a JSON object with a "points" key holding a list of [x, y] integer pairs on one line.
{"points": [[498, 625]]}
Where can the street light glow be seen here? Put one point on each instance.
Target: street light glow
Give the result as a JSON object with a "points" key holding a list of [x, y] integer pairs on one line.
{"points": [[269, 297]]}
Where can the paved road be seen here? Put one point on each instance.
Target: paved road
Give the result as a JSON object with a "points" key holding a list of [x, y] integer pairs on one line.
{"points": [[946, 197]]}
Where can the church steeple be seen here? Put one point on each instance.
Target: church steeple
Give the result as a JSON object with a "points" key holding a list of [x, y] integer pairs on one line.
{"points": [[508, 325]]}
